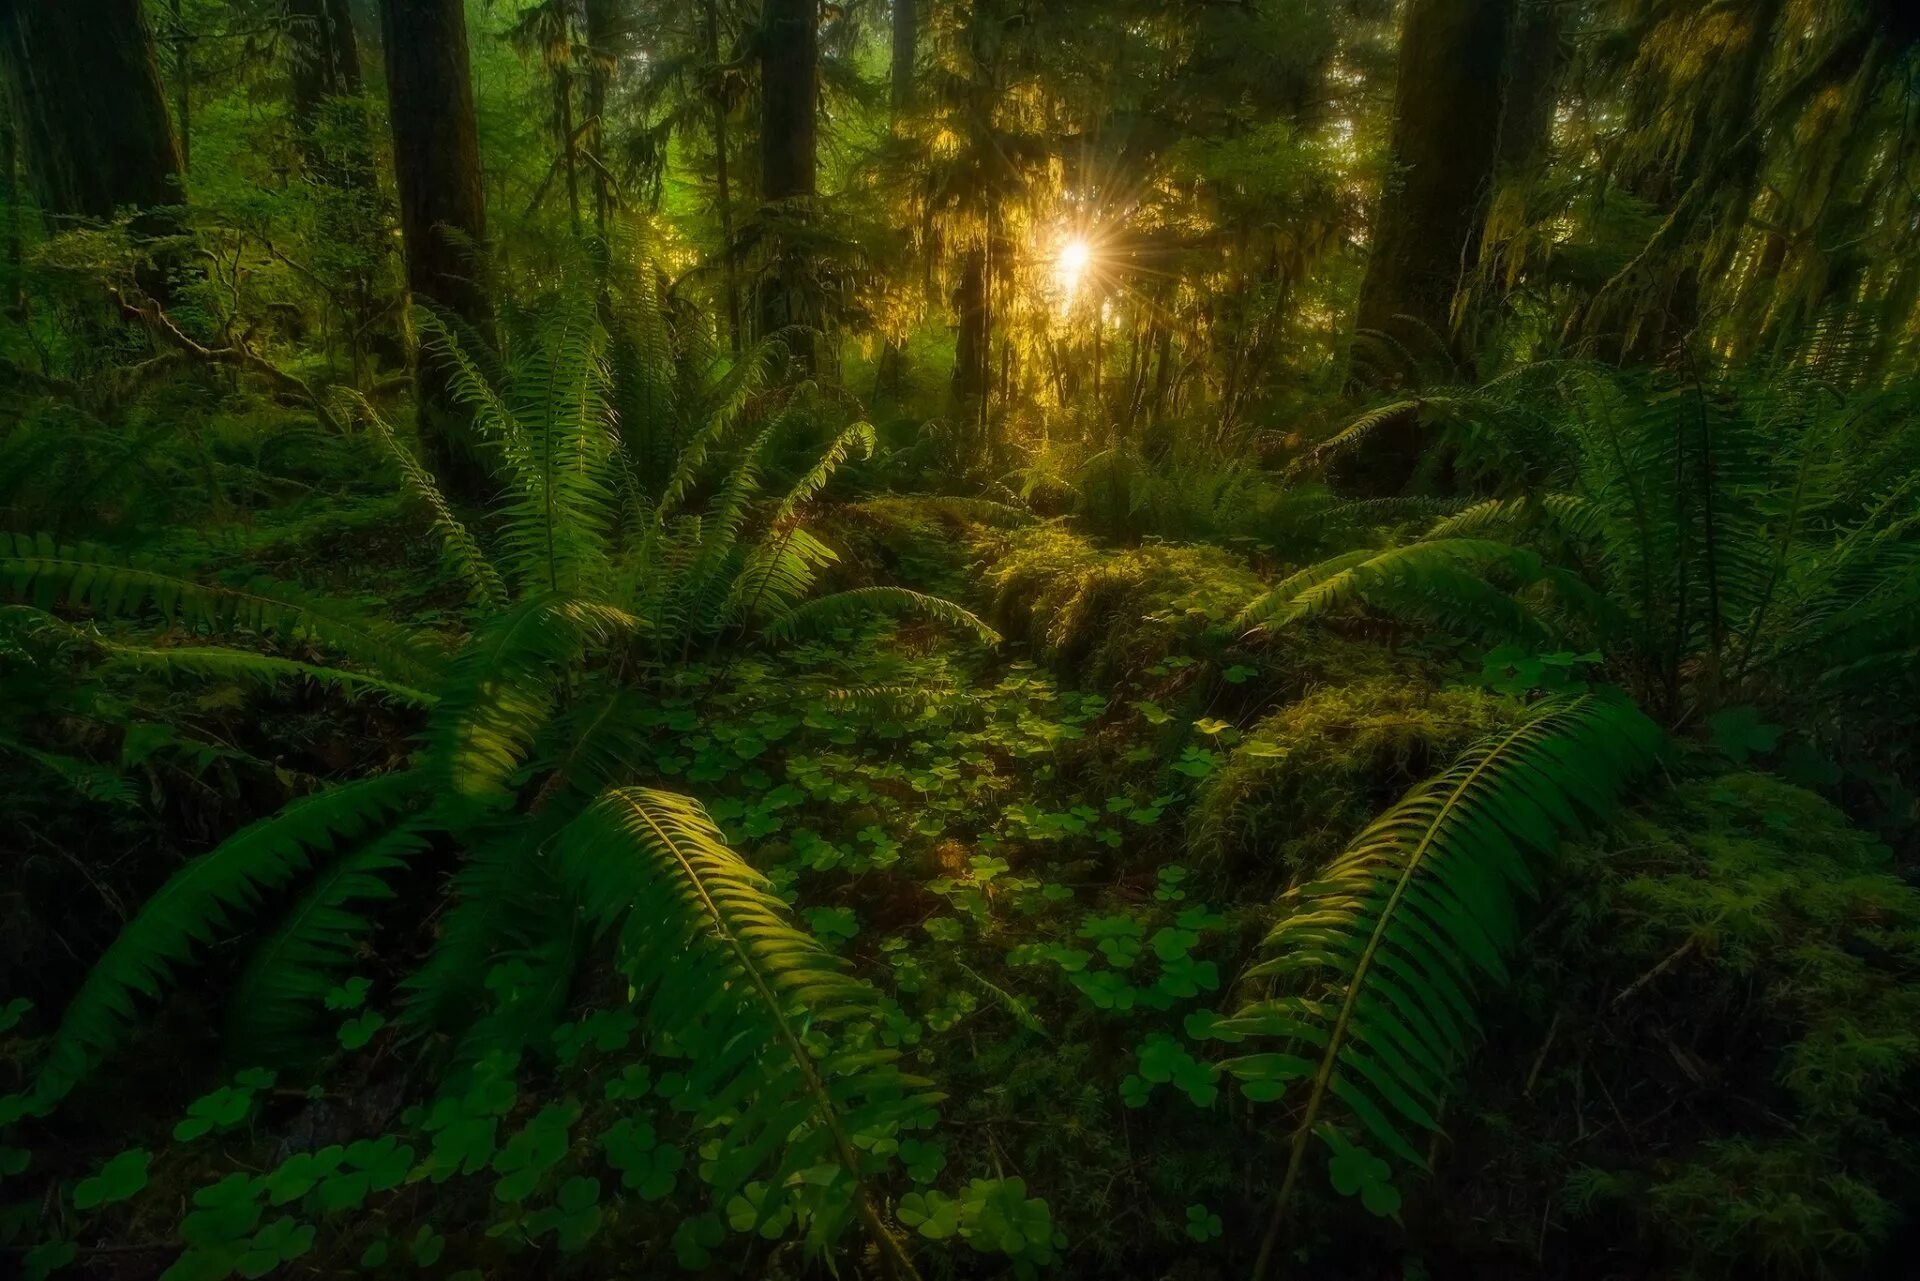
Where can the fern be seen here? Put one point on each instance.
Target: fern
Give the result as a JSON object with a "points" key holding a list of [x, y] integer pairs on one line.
{"points": [[1433, 580], [460, 549], [238, 664], [499, 690], [706, 945], [1379, 957], [206, 898], [273, 1007], [43, 572], [828, 612]]}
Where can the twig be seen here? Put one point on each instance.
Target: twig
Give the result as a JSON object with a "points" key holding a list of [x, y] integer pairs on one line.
{"points": [[238, 355], [1672, 958]]}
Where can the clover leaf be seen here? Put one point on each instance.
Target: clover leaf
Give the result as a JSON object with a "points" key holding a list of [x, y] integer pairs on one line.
{"points": [[118, 1179]]}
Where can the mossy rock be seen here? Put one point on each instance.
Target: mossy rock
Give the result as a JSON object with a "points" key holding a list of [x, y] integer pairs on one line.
{"points": [[1312, 774]]}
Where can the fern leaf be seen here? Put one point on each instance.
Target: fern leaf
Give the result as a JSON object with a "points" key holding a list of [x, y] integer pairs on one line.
{"points": [[841, 608], [460, 550], [275, 1005], [238, 664], [43, 572], [204, 899], [718, 968], [498, 691], [1380, 957]]}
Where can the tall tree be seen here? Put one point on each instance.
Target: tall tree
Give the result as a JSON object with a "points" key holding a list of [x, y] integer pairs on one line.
{"points": [[906, 22], [723, 189], [85, 89], [436, 164], [606, 31], [1446, 131], [324, 57], [789, 145]]}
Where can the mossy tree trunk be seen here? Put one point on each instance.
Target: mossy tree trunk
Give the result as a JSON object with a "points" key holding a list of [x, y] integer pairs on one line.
{"points": [[85, 88], [789, 144], [1446, 131], [436, 163], [323, 58]]}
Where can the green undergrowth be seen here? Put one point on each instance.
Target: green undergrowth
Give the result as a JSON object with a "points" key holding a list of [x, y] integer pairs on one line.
{"points": [[1310, 775], [1714, 1059]]}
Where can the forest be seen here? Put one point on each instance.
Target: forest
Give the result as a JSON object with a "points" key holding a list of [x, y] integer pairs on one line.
{"points": [[932, 640]]}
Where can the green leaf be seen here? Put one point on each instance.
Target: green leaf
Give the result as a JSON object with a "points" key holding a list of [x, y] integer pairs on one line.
{"points": [[118, 1179]]}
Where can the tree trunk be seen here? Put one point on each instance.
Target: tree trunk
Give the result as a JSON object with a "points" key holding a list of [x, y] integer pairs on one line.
{"points": [[85, 89], [723, 192], [436, 164], [10, 195], [1446, 128], [970, 346], [789, 98], [790, 91], [183, 86], [323, 61], [1526, 114], [605, 27], [905, 34]]}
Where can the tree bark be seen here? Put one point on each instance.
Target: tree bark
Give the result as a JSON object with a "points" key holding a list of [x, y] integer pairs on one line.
{"points": [[85, 89], [790, 91], [183, 86], [436, 150], [1526, 114], [605, 29], [723, 192], [1446, 129], [905, 35], [436, 163], [970, 345], [324, 59], [789, 142]]}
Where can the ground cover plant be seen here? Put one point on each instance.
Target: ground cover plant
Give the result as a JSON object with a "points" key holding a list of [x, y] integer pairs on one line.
{"points": [[958, 638]]}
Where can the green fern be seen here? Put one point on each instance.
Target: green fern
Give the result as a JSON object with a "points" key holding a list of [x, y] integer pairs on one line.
{"points": [[44, 573], [706, 945], [1378, 959], [203, 900], [842, 608], [271, 1010]]}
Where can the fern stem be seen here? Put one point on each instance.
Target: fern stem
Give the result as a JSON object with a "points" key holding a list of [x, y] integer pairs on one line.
{"points": [[893, 1259], [1336, 1039]]}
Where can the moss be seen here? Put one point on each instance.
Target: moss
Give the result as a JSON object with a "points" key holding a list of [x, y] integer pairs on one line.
{"points": [[1313, 773], [926, 542], [1107, 615], [1734, 945]]}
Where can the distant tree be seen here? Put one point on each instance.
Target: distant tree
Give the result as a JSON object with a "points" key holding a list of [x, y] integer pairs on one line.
{"points": [[324, 57], [789, 146], [1446, 141], [436, 163]]}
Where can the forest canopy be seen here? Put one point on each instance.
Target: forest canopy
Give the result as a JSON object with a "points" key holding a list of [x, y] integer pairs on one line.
{"points": [[959, 639]]}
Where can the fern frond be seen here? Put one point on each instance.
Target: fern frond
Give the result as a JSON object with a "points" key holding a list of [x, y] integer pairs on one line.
{"points": [[498, 691], [1379, 958], [1437, 581], [262, 669], [842, 608], [204, 899], [95, 782], [855, 441], [279, 997], [41, 571], [460, 550], [717, 967]]}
